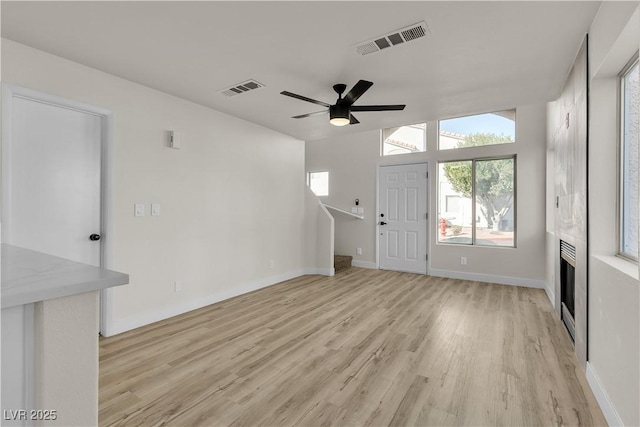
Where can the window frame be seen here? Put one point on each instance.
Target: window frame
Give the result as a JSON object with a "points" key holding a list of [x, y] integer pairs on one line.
{"points": [[635, 60], [473, 161]]}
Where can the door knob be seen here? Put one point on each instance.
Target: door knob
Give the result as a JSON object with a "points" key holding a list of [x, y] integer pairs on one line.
{"points": [[383, 223], [94, 237]]}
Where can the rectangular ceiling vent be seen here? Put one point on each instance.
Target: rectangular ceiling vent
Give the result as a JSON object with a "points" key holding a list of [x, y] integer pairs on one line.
{"points": [[247, 86], [394, 38]]}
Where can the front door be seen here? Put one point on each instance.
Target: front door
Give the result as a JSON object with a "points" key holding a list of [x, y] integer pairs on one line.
{"points": [[402, 218]]}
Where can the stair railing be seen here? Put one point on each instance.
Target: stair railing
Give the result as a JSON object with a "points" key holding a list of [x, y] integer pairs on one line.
{"points": [[343, 211]]}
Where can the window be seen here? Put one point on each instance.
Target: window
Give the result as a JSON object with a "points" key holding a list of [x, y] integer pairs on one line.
{"points": [[318, 182], [629, 113], [490, 220], [482, 129], [404, 139], [453, 203]]}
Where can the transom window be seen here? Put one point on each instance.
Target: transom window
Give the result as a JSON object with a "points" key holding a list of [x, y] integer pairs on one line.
{"points": [[481, 129], [404, 139]]}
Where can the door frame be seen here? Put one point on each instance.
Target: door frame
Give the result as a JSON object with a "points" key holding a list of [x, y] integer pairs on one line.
{"points": [[377, 218], [107, 188]]}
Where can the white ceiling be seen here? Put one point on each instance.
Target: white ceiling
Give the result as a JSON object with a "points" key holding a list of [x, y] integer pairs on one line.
{"points": [[479, 56]]}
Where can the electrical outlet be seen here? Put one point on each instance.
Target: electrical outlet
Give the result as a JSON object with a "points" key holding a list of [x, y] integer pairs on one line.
{"points": [[177, 286], [138, 209], [463, 260], [271, 263], [359, 251]]}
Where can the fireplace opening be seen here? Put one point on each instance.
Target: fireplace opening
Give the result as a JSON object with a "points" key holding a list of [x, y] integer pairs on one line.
{"points": [[568, 286]]}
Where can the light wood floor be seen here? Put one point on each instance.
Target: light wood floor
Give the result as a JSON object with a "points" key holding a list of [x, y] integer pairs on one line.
{"points": [[366, 347]]}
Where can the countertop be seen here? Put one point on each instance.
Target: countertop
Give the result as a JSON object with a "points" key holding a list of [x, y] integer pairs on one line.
{"points": [[29, 276]]}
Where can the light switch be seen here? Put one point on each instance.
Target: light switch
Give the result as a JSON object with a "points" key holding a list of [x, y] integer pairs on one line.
{"points": [[155, 209], [354, 210], [360, 210], [139, 209], [174, 140]]}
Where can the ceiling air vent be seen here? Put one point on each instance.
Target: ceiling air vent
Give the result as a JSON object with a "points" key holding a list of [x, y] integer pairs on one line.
{"points": [[394, 38], [247, 86]]}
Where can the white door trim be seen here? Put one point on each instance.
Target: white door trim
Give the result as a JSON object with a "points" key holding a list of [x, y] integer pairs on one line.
{"points": [[377, 219], [11, 91]]}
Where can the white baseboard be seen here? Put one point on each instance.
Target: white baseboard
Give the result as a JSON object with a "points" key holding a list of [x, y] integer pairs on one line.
{"points": [[117, 326], [550, 294], [502, 280], [364, 264], [608, 410], [321, 271]]}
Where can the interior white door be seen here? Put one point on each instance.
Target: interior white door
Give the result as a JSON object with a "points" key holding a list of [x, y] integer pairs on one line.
{"points": [[402, 218], [52, 200]]}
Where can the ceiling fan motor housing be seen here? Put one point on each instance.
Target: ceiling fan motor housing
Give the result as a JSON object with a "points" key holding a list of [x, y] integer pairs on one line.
{"points": [[339, 111]]}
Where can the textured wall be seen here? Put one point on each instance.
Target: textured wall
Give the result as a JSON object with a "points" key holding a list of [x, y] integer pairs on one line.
{"points": [[568, 124], [66, 358]]}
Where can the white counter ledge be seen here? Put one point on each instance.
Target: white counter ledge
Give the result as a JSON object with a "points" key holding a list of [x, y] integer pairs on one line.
{"points": [[29, 276]]}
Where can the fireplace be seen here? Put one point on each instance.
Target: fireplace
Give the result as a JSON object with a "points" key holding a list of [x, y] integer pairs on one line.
{"points": [[568, 286]]}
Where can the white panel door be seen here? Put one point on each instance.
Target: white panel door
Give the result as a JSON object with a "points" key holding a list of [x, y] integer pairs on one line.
{"points": [[52, 199], [402, 218]]}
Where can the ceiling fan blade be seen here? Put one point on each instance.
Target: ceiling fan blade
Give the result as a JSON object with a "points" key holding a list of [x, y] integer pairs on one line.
{"points": [[356, 92], [304, 98], [377, 107], [353, 120], [302, 116]]}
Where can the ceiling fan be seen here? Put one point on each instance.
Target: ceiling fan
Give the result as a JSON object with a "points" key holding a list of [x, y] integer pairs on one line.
{"points": [[340, 112]]}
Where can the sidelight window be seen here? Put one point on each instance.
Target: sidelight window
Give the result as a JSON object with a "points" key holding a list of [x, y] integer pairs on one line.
{"points": [[629, 144]]}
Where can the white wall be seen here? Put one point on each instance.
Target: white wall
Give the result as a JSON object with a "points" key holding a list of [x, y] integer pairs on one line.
{"points": [[352, 162], [318, 235], [613, 368], [232, 198]]}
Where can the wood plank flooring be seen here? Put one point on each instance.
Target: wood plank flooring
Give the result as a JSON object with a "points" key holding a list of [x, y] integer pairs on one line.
{"points": [[366, 347]]}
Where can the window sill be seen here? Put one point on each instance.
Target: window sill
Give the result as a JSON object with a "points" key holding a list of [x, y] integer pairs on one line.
{"points": [[469, 245], [624, 266]]}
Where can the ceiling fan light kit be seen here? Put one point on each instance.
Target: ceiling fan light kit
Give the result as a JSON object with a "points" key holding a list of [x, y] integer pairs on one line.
{"points": [[340, 112]]}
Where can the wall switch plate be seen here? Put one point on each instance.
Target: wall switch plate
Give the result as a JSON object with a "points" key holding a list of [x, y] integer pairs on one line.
{"points": [[360, 210], [138, 209], [463, 260], [359, 251], [155, 209], [271, 263], [177, 286], [174, 140], [354, 210]]}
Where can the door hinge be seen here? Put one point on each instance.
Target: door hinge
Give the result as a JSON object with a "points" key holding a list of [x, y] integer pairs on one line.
{"points": [[426, 216], [427, 257], [427, 175]]}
